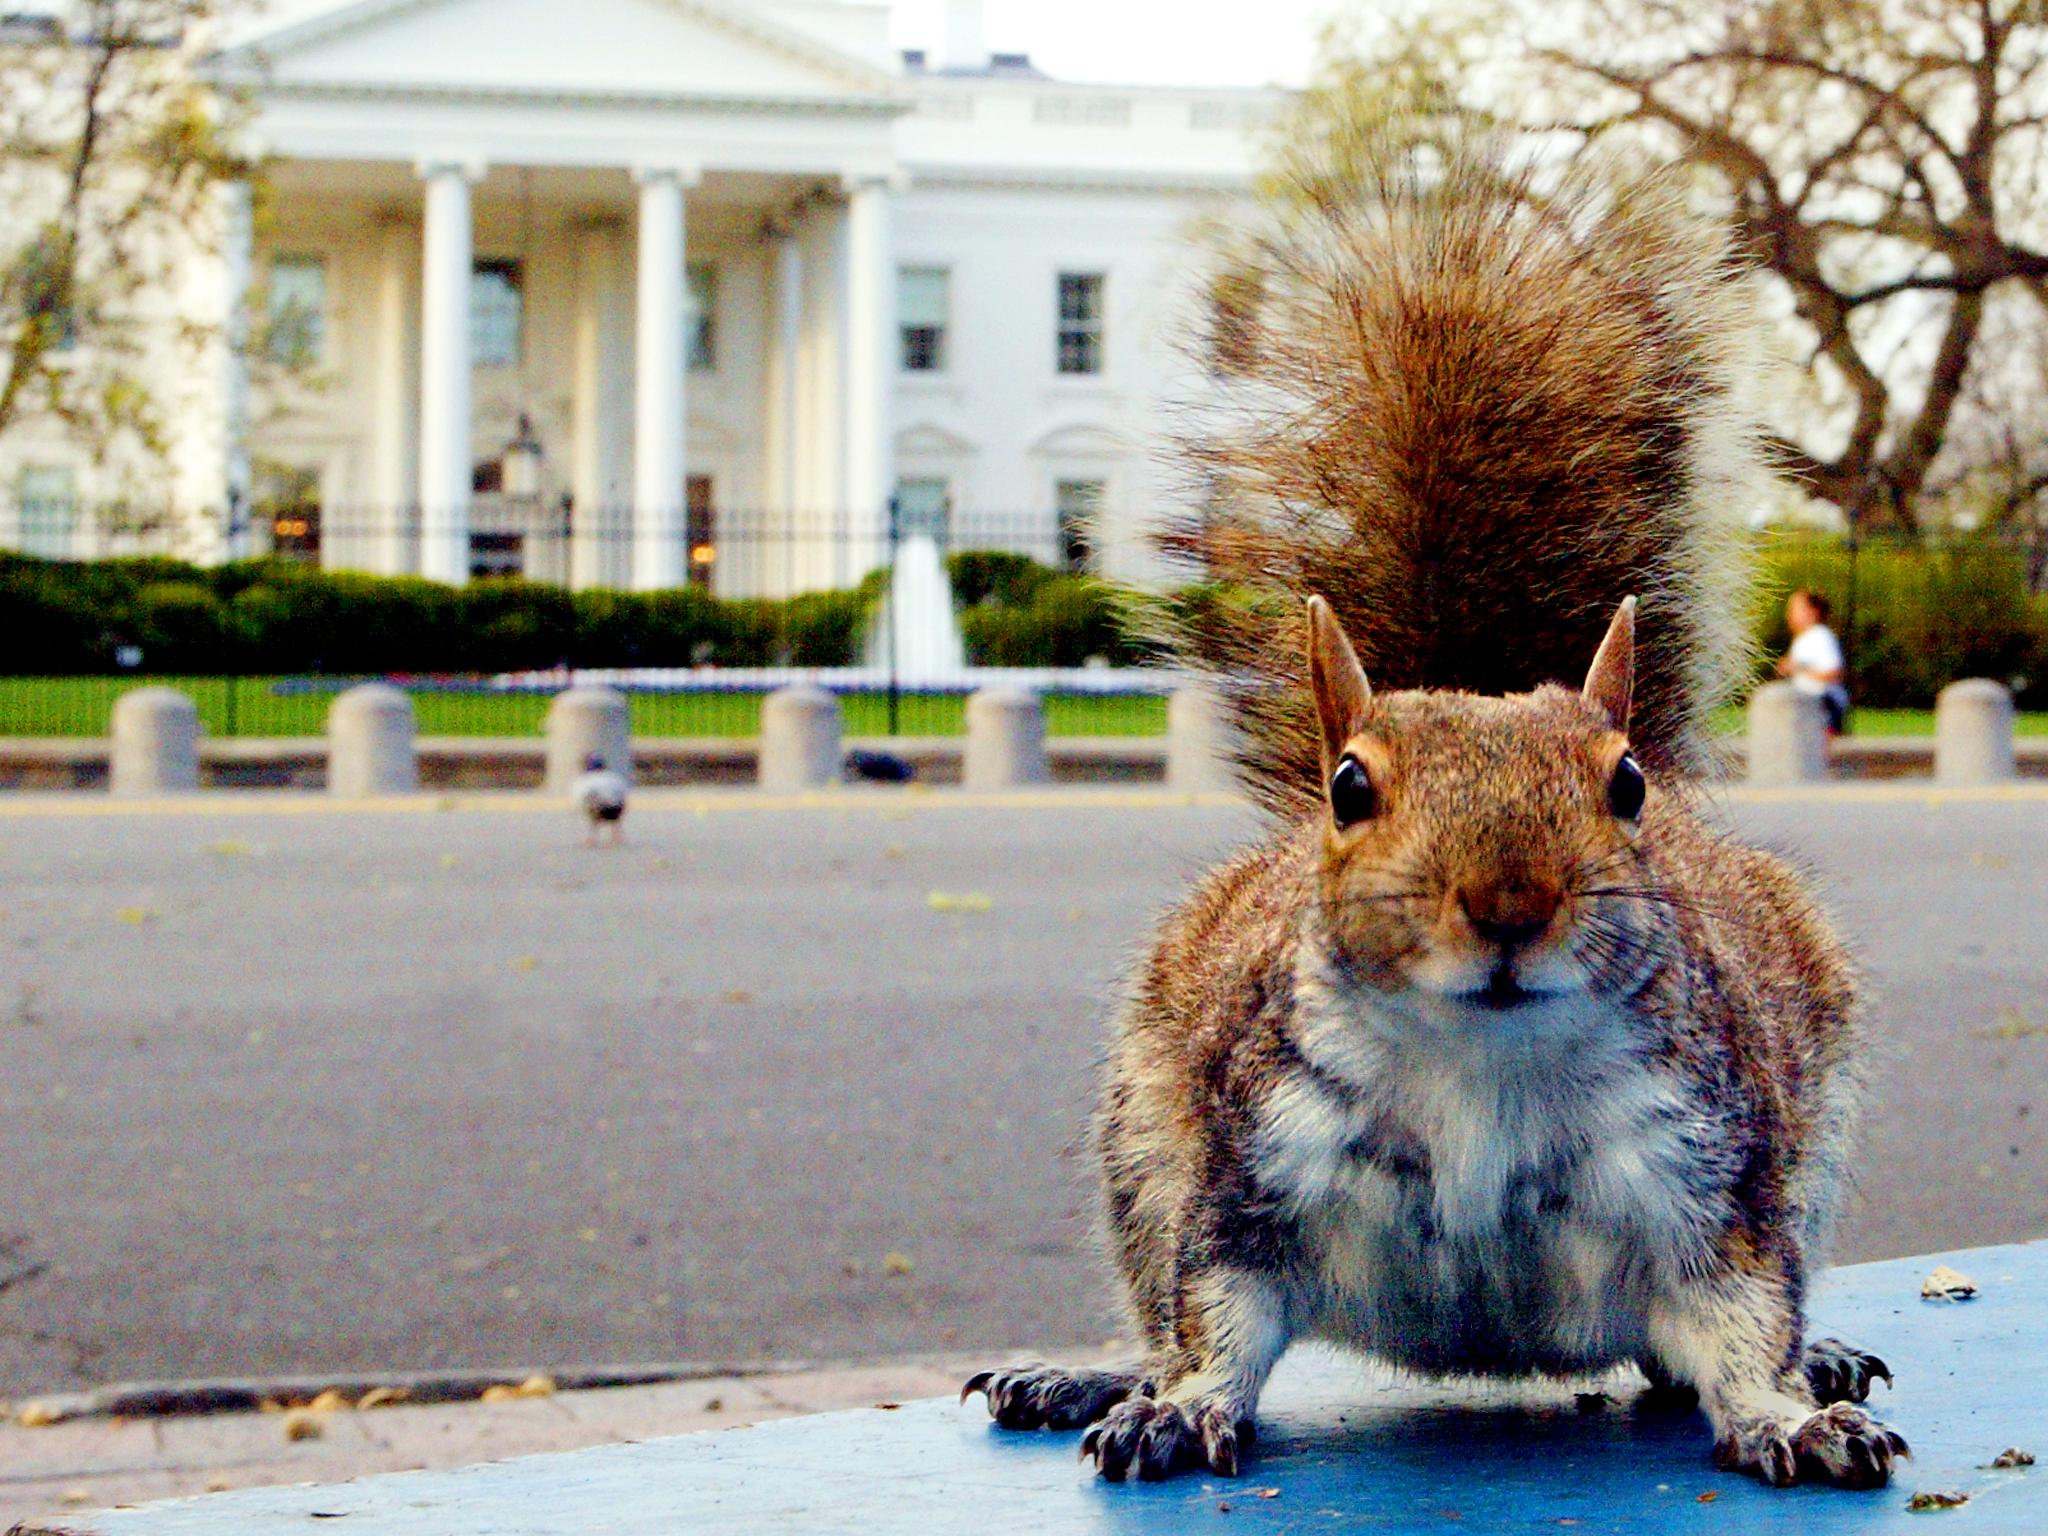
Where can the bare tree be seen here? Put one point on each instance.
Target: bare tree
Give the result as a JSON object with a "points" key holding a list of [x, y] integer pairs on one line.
{"points": [[112, 146], [1884, 160]]}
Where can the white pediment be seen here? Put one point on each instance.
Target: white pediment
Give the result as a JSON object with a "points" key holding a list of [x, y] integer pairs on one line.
{"points": [[713, 48], [928, 439], [1079, 440]]}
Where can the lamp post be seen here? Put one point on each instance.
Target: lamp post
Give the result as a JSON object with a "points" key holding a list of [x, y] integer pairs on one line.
{"points": [[523, 460]]}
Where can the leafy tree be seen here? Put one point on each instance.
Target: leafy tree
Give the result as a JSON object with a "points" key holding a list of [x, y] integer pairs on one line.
{"points": [[1882, 160], [113, 151]]}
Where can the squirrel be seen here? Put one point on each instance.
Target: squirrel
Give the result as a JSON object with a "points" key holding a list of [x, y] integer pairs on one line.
{"points": [[1492, 1057]]}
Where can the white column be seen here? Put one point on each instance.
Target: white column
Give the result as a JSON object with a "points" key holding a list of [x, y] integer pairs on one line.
{"points": [[388, 521], [789, 351], [868, 315], [445, 467], [237, 259], [660, 410], [206, 480], [597, 533]]}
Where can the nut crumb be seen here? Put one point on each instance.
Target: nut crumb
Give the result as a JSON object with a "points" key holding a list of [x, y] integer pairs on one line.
{"points": [[1946, 1284], [1936, 1499], [2013, 1456]]}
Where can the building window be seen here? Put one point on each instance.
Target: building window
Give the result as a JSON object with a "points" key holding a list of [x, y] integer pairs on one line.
{"points": [[1078, 111], [1076, 506], [285, 500], [701, 315], [1080, 341], [701, 524], [923, 298], [1234, 302], [497, 310], [46, 500], [496, 556], [924, 509], [297, 309]]}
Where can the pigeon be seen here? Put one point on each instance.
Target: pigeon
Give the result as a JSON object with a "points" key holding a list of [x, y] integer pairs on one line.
{"points": [[878, 767], [600, 794]]}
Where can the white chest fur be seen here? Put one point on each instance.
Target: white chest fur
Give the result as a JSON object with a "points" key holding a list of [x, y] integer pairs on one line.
{"points": [[1495, 1193]]}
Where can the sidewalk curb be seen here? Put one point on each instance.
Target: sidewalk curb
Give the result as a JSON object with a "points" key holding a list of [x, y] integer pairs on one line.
{"points": [[246, 1394]]}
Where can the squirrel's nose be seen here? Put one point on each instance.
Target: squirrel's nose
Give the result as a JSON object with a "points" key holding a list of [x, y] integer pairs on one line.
{"points": [[1509, 915]]}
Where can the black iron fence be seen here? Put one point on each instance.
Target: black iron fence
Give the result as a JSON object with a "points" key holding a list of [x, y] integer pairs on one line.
{"points": [[731, 551], [315, 600], [263, 643]]}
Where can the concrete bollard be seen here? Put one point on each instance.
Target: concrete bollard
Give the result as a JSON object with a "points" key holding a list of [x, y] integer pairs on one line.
{"points": [[800, 730], [155, 743], [1973, 724], [370, 744], [1788, 742], [584, 723], [1005, 740], [1199, 734]]}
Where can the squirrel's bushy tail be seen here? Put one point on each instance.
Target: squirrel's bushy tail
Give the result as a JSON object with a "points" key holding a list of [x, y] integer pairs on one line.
{"points": [[1475, 415]]}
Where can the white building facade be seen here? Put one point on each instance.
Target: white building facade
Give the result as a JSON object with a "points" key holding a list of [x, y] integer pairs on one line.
{"points": [[647, 292]]}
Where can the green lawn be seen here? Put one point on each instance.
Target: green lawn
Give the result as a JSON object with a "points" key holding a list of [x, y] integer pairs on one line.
{"points": [[1890, 722], [252, 706]]}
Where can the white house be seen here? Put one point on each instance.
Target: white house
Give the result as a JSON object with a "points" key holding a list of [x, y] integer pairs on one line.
{"points": [[634, 292]]}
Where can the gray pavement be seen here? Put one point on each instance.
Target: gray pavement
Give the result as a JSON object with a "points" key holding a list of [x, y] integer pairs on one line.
{"points": [[291, 1089], [47, 1474]]}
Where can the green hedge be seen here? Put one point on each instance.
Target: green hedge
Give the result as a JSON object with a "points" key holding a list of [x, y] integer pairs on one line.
{"points": [[1921, 617], [277, 617], [1015, 612]]}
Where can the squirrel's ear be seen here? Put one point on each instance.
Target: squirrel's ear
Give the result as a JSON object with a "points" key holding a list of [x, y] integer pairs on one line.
{"points": [[1612, 677], [1341, 690]]}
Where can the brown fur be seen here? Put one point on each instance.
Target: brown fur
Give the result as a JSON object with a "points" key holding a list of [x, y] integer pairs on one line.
{"points": [[1477, 416], [1492, 1057]]}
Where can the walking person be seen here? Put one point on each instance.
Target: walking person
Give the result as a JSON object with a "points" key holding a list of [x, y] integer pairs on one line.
{"points": [[1814, 662]]}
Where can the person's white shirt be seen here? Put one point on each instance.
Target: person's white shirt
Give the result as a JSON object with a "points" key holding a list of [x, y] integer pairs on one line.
{"points": [[1816, 653]]}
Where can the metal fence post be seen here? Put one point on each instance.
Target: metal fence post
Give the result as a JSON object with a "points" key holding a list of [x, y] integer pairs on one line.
{"points": [[891, 608], [1849, 629]]}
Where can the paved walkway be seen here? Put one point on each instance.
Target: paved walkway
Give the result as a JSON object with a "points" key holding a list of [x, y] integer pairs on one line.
{"points": [[1339, 1449], [296, 1089], [48, 1474]]}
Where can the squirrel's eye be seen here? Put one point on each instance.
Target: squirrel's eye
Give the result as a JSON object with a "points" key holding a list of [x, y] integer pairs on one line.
{"points": [[1351, 793], [1625, 791]]}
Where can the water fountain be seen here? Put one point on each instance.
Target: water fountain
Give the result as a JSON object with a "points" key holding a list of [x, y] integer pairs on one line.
{"points": [[916, 618]]}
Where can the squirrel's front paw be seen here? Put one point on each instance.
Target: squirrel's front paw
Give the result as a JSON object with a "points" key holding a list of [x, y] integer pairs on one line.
{"points": [[1839, 1374], [1038, 1396], [1841, 1444], [1145, 1438]]}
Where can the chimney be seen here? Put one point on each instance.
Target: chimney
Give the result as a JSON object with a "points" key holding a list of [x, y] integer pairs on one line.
{"points": [[964, 46]]}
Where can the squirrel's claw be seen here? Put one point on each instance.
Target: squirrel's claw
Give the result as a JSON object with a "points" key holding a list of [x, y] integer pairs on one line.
{"points": [[1148, 1439], [1039, 1396], [1840, 1444], [1839, 1374]]}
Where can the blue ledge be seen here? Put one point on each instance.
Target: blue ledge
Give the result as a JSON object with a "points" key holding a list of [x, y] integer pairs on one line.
{"points": [[1344, 1448]]}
